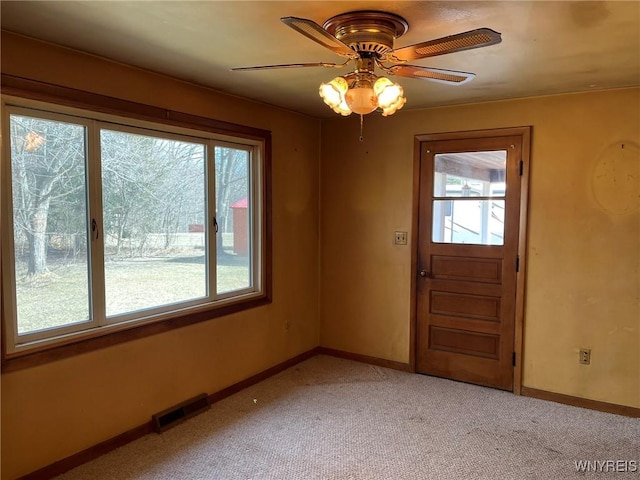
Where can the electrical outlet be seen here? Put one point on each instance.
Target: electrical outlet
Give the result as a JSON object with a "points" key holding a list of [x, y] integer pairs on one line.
{"points": [[400, 238], [585, 356]]}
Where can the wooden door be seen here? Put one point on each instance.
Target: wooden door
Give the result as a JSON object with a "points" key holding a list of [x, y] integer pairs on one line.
{"points": [[468, 236]]}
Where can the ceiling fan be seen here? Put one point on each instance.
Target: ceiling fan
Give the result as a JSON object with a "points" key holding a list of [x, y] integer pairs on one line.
{"points": [[366, 39]]}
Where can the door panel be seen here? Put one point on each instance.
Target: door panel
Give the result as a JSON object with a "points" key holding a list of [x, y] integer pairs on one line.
{"points": [[464, 341], [469, 211], [465, 306], [484, 270]]}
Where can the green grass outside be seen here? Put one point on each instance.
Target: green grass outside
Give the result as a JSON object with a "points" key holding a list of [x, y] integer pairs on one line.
{"points": [[61, 296]]}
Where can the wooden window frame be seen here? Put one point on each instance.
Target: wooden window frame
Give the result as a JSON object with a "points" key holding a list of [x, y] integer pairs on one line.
{"points": [[99, 104]]}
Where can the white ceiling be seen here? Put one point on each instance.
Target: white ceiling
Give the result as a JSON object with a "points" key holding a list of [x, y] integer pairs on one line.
{"points": [[547, 47]]}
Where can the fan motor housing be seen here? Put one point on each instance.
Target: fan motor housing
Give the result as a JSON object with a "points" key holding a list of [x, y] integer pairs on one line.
{"points": [[367, 31]]}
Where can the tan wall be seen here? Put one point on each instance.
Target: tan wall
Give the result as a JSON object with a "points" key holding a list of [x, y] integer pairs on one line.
{"points": [[52, 411], [583, 252]]}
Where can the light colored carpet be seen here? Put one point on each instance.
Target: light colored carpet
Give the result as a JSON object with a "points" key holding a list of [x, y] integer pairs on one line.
{"points": [[329, 418]]}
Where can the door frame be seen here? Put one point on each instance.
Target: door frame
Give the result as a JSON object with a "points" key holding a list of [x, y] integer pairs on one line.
{"points": [[525, 134]]}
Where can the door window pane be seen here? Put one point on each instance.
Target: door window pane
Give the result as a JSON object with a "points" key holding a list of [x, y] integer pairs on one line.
{"points": [[470, 174], [48, 161], [463, 176], [477, 222], [233, 214], [153, 194]]}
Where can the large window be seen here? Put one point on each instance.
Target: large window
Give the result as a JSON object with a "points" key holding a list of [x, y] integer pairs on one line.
{"points": [[117, 223]]}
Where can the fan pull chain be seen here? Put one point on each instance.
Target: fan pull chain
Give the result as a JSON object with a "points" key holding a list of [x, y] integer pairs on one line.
{"points": [[361, 122]]}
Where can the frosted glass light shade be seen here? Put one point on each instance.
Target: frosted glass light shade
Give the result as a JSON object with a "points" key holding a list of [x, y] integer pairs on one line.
{"points": [[390, 96], [362, 100], [360, 97], [333, 94]]}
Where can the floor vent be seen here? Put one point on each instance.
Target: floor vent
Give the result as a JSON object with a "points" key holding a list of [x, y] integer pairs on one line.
{"points": [[178, 413]]}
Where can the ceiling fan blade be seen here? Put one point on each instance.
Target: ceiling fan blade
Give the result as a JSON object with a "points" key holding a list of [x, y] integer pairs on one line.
{"points": [[481, 37], [449, 77], [315, 32], [290, 65]]}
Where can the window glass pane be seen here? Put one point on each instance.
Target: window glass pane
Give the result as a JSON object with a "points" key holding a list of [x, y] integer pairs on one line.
{"points": [[479, 222], [470, 174], [233, 213], [153, 193], [48, 161]]}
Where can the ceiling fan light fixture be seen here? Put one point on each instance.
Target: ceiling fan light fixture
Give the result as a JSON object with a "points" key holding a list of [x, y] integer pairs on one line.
{"points": [[365, 94], [333, 93]]}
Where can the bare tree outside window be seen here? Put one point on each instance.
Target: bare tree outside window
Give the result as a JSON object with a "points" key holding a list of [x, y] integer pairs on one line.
{"points": [[152, 188], [50, 221]]}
